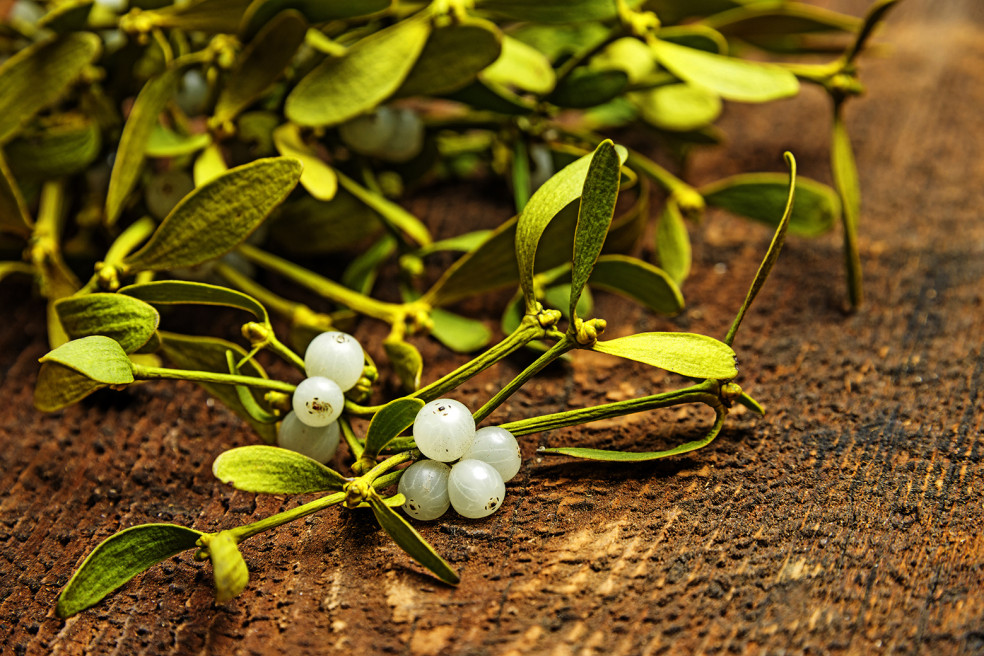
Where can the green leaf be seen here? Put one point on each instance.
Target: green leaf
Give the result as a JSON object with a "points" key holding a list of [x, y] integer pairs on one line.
{"points": [[638, 280], [771, 20], [458, 333], [678, 107], [594, 216], [318, 178], [730, 78], [673, 243], [462, 243], [181, 292], [129, 321], [452, 58], [845, 173], [139, 125], [308, 226], [209, 165], [555, 194], [751, 404], [260, 12], [687, 354], [361, 272], [163, 142], [587, 88], [260, 64], [397, 218], [876, 13], [492, 97], [771, 255], [96, 357], [272, 470], [65, 144], [14, 216], [209, 354], [118, 559], [550, 11], [406, 362], [522, 67], [411, 541], [246, 399], [762, 197], [72, 16], [370, 72], [41, 74], [391, 420], [210, 16], [59, 386], [215, 218], [228, 567]]}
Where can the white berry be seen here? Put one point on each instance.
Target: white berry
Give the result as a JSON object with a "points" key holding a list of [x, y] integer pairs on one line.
{"points": [[425, 485], [475, 489], [499, 448], [318, 401], [337, 356], [443, 430], [316, 443]]}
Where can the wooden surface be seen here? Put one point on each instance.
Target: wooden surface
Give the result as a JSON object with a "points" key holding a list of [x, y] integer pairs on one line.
{"points": [[849, 520]]}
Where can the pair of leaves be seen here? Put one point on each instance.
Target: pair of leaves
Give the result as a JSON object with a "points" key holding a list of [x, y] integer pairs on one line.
{"points": [[78, 368]]}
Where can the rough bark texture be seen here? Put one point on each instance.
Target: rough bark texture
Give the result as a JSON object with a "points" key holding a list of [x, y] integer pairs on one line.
{"points": [[848, 520]]}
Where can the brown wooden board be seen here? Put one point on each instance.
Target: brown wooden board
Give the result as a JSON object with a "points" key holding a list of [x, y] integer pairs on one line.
{"points": [[848, 520]]}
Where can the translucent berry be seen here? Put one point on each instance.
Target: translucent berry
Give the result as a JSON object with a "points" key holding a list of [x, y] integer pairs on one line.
{"points": [[475, 489], [318, 401], [425, 485], [499, 448], [337, 356], [443, 430], [369, 134], [316, 443]]}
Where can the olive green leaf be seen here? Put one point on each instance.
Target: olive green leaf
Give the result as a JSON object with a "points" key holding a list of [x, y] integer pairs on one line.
{"points": [[209, 165], [14, 216], [673, 243], [397, 218], [406, 361], [458, 333], [65, 144], [163, 142], [260, 12], [687, 354], [391, 420], [307, 226], [521, 67], [228, 567], [209, 354], [453, 56], [555, 194], [762, 197], [520, 175], [629, 55], [638, 280], [462, 243], [876, 13], [70, 16], [771, 255], [730, 78], [248, 402], [845, 172], [695, 35], [410, 540], [751, 404], [318, 178], [493, 98], [361, 272], [59, 386], [594, 217], [608, 455], [58, 62], [272, 470], [97, 357], [260, 64], [139, 125], [180, 292], [118, 559], [211, 16], [678, 107], [215, 218], [370, 72], [129, 321], [588, 88], [550, 11], [776, 26]]}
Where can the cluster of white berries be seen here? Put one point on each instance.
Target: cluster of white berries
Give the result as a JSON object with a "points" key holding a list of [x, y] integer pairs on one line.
{"points": [[334, 362], [444, 431]]}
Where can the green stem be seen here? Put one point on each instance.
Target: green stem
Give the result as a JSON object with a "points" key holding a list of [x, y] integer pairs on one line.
{"points": [[555, 351], [387, 465], [527, 331], [249, 530], [705, 393], [158, 373], [354, 444], [388, 312], [247, 285]]}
